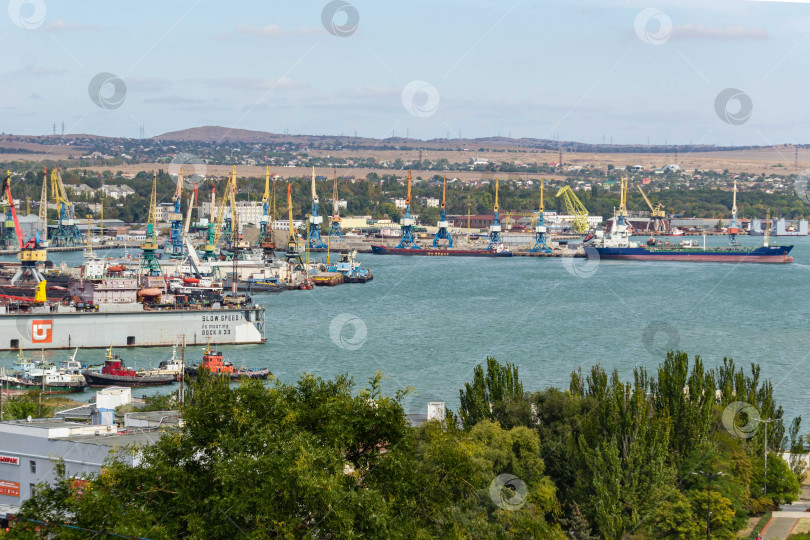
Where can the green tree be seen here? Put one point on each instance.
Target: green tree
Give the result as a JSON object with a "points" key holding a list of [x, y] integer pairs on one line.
{"points": [[496, 395]]}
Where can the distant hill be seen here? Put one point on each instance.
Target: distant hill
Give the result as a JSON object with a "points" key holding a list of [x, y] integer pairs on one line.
{"points": [[219, 133]]}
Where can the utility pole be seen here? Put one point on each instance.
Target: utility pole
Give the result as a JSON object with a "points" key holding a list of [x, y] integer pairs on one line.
{"points": [[182, 373], [709, 477], [765, 445]]}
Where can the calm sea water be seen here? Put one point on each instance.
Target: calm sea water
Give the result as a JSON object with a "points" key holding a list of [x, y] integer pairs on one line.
{"points": [[427, 322]]}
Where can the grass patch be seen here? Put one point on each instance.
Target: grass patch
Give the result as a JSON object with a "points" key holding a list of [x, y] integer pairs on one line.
{"points": [[766, 517]]}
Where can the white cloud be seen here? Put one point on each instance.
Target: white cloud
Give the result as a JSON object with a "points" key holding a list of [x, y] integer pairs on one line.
{"points": [[722, 33], [257, 83], [370, 92], [147, 84], [268, 31]]}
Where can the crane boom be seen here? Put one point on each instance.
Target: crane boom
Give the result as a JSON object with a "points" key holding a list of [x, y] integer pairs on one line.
{"points": [[574, 207], [220, 211], [335, 200], [42, 222], [7, 186], [656, 211]]}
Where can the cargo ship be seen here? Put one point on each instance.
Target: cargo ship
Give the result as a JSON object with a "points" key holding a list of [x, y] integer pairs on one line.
{"points": [[439, 252], [617, 245]]}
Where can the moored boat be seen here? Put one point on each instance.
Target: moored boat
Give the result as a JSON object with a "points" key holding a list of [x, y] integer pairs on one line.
{"points": [[115, 373], [213, 362]]}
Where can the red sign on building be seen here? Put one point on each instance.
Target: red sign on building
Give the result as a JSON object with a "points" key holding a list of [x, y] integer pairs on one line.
{"points": [[9, 488], [10, 460]]}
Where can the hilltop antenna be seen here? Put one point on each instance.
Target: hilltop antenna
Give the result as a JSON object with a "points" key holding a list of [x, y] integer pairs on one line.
{"points": [[63, 128]]}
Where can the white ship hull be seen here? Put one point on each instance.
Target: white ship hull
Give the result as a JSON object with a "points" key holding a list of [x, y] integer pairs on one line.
{"points": [[54, 330]]}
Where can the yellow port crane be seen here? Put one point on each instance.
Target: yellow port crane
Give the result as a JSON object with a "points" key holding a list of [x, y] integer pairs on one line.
{"points": [[42, 222], [574, 207], [657, 212]]}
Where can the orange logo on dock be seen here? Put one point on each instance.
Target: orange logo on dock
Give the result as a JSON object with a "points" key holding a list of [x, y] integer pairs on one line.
{"points": [[41, 331]]}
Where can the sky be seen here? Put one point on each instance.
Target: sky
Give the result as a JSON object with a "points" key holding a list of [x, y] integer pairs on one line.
{"points": [[726, 72]]}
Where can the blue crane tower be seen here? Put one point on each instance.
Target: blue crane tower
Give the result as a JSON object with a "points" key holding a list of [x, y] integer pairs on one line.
{"points": [[442, 233], [406, 223], [540, 244], [334, 229], [495, 241], [315, 220], [265, 208], [734, 228], [175, 248]]}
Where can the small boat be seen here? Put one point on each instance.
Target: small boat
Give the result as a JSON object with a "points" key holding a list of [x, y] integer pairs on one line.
{"points": [[350, 268], [114, 373], [42, 376], [172, 366], [212, 362], [307, 285], [328, 279]]}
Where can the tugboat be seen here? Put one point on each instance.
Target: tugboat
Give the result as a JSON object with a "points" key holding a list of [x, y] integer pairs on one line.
{"points": [[212, 361], [350, 268], [114, 373]]}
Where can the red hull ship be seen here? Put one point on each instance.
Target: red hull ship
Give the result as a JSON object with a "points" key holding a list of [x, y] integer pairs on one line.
{"points": [[114, 373]]}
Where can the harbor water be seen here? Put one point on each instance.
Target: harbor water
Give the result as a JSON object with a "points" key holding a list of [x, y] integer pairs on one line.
{"points": [[426, 322]]}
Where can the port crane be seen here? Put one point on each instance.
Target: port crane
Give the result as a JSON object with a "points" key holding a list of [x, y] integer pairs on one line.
{"points": [[292, 255], [31, 253], [175, 218], [210, 246], [334, 228], [657, 212], [149, 261], [540, 243], [442, 233], [622, 214], [734, 228], [406, 223], [264, 235], [315, 220], [42, 221], [495, 240], [9, 240], [67, 232], [575, 208]]}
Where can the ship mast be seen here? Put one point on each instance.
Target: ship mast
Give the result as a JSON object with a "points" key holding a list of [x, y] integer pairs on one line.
{"points": [[495, 242], [540, 243], [733, 229], [335, 229]]}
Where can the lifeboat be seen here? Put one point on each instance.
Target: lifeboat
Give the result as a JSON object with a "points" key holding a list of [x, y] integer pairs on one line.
{"points": [[116, 268], [150, 292], [190, 280]]}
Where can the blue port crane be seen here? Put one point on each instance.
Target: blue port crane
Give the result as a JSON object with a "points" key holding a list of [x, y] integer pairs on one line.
{"points": [[495, 241], [335, 229], [540, 243], [265, 208], [175, 246], [406, 223], [315, 220], [442, 233]]}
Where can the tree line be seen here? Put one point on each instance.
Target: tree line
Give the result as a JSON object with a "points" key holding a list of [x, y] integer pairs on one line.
{"points": [[604, 458]]}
